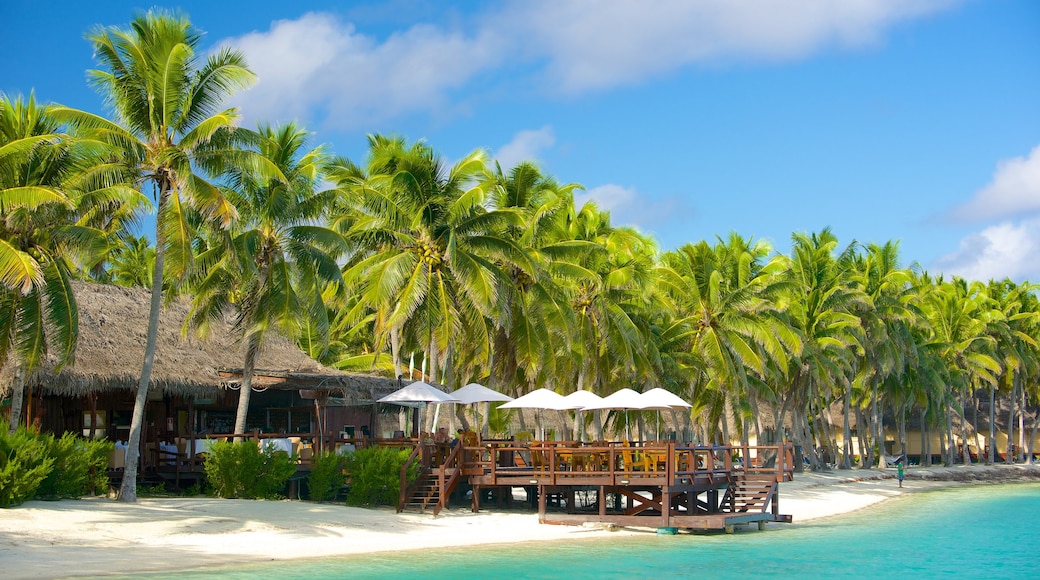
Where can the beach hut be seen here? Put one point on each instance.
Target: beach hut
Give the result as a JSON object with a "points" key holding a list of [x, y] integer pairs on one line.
{"points": [[194, 381]]}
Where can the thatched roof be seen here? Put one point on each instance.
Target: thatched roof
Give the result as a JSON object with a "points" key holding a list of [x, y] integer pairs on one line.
{"points": [[113, 326]]}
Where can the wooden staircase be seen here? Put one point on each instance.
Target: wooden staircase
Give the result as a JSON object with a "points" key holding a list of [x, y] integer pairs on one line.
{"points": [[750, 494], [424, 493], [435, 482]]}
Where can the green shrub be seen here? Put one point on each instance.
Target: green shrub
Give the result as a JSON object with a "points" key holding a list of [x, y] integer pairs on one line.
{"points": [[80, 467], [243, 470], [375, 475], [24, 465], [327, 476]]}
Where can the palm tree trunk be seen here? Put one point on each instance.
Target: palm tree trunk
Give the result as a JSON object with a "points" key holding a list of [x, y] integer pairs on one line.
{"points": [[991, 443], [17, 395], [965, 451], [950, 449], [1020, 449], [846, 446], [875, 429], [395, 350], [1011, 421], [128, 486], [244, 393], [926, 442]]}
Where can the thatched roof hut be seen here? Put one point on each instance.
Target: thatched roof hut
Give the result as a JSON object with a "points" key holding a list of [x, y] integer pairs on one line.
{"points": [[113, 326]]}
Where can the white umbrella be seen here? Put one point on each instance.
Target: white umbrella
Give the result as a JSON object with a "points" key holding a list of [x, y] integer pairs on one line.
{"points": [[416, 394], [658, 398], [477, 393], [538, 399], [622, 399], [578, 400]]}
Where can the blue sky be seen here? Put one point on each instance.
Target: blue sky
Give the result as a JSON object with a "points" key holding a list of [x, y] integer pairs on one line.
{"points": [[916, 121]]}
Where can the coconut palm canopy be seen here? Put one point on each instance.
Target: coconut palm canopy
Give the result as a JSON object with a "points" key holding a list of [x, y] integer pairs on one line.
{"points": [[112, 333]]}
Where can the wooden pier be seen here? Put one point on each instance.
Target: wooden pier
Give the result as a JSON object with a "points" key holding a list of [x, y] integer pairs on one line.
{"points": [[660, 484]]}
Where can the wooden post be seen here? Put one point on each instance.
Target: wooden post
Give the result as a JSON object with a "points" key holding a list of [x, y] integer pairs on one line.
{"points": [[666, 506], [541, 503], [602, 497]]}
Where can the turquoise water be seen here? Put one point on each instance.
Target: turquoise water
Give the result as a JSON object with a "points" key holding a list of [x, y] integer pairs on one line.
{"points": [[977, 532]]}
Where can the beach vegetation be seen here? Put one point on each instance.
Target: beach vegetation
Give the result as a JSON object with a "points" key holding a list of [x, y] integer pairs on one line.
{"points": [[245, 471], [375, 475], [80, 466], [24, 465], [328, 475]]}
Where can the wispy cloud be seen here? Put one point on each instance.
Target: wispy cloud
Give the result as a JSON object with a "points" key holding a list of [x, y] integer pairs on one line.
{"points": [[323, 71], [600, 44], [1006, 250], [526, 145], [1013, 191], [629, 207]]}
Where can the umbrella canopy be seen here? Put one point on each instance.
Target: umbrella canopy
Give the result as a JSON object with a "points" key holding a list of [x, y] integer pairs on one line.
{"points": [[476, 393], [418, 392], [582, 399], [659, 398], [538, 399], [578, 400], [621, 399]]}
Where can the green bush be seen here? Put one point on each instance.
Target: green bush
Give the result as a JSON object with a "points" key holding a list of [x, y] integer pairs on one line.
{"points": [[80, 467], [375, 475], [243, 470], [327, 476], [24, 465]]}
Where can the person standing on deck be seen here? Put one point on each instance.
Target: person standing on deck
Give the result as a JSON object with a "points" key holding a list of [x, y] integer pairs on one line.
{"points": [[899, 473]]}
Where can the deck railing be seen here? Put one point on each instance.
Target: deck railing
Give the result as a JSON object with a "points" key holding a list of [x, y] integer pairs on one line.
{"points": [[613, 463]]}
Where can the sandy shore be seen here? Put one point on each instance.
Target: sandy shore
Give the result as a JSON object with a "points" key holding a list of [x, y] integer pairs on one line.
{"points": [[99, 536]]}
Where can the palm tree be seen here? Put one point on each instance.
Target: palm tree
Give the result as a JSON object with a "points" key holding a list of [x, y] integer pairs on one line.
{"points": [[132, 262], [428, 256], [819, 300], [532, 325], [724, 300], [959, 315], [166, 99], [44, 194], [888, 340], [277, 260]]}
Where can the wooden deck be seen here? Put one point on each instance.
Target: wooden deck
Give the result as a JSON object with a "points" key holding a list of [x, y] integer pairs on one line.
{"points": [[664, 484]]}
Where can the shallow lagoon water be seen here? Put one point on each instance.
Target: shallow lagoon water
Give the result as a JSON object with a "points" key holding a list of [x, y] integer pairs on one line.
{"points": [[989, 531]]}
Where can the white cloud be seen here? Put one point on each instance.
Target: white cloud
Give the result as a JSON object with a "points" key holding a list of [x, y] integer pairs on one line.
{"points": [[1005, 250], [526, 145], [1013, 191], [590, 45], [323, 71], [318, 66]]}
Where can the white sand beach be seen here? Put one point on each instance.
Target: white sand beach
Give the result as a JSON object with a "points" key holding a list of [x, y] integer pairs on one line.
{"points": [[99, 536]]}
